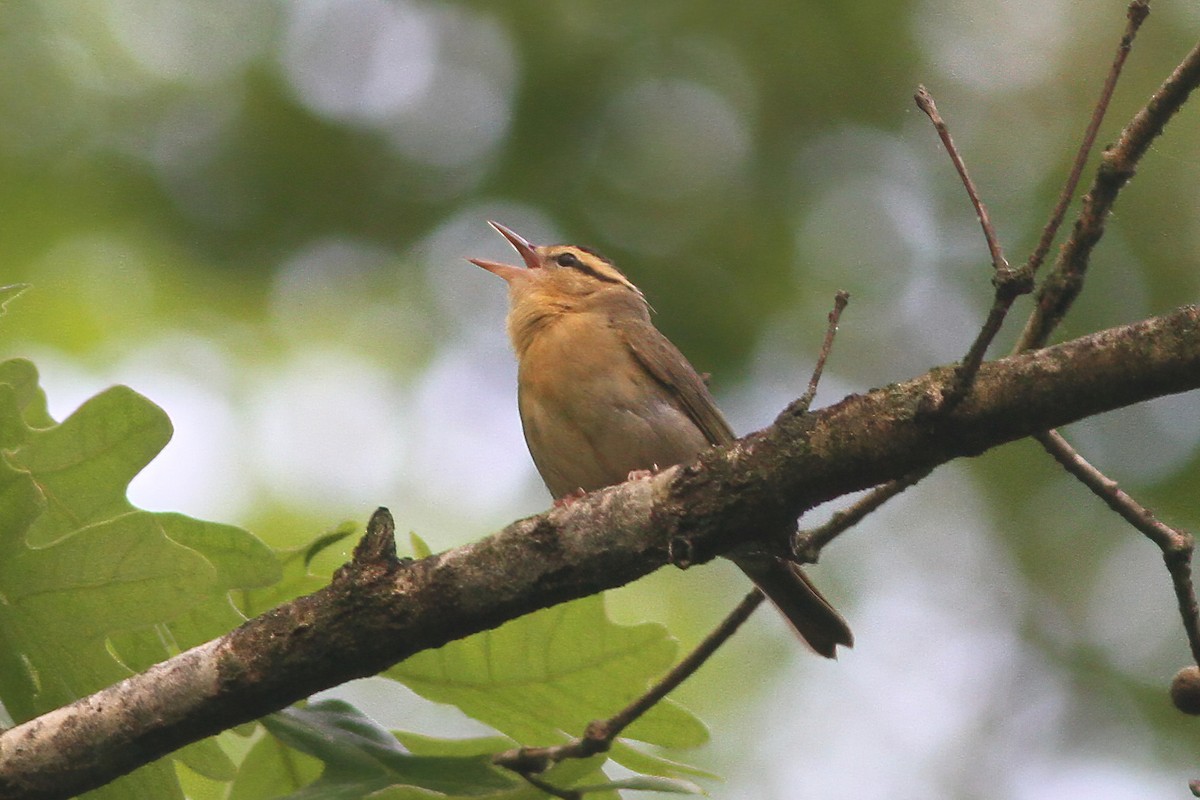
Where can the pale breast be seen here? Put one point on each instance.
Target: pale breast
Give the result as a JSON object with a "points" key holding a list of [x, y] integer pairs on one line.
{"points": [[591, 413]]}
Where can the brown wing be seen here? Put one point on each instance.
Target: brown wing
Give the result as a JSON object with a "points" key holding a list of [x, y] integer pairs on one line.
{"points": [[667, 365], [810, 614]]}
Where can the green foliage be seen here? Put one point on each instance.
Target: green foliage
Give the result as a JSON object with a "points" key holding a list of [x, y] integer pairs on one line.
{"points": [[360, 757], [542, 678], [271, 768], [94, 588], [297, 577], [10, 292], [538, 680]]}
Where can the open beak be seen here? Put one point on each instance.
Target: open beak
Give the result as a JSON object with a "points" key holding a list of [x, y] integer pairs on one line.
{"points": [[523, 248]]}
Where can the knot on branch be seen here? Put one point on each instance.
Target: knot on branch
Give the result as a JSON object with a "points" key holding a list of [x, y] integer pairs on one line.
{"points": [[375, 551], [597, 737], [1012, 283], [681, 552], [1179, 549], [378, 544], [525, 760], [1115, 168]]}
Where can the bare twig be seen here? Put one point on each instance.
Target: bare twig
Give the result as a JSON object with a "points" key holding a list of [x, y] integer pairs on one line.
{"points": [[1136, 14], [549, 788], [1064, 283], [1176, 545], [1059, 293], [807, 544], [1010, 284], [839, 305], [1118, 165], [925, 103], [600, 734]]}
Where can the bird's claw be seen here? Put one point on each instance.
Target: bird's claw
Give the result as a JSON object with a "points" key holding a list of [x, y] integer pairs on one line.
{"points": [[642, 474], [569, 498]]}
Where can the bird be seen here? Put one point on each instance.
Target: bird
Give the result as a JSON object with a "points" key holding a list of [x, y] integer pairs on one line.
{"points": [[603, 395]]}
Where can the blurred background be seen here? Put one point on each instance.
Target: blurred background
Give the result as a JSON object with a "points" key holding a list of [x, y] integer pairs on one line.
{"points": [[258, 215]]}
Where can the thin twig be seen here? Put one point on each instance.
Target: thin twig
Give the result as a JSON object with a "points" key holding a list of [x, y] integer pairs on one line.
{"points": [[1010, 284], [1176, 545], [925, 103], [685, 668], [1134, 141], [840, 300], [549, 788], [1117, 166], [807, 544], [599, 736], [1136, 14], [1064, 283]]}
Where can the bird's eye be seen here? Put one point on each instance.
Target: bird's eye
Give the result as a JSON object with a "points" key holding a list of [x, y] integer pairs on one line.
{"points": [[567, 260]]}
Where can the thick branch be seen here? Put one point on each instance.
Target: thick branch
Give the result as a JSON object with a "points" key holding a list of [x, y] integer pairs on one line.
{"points": [[379, 610]]}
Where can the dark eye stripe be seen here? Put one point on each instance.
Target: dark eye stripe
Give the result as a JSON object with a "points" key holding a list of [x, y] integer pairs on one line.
{"points": [[572, 261], [595, 273]]}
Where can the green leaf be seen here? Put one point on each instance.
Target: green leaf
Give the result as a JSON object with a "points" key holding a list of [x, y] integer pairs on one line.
{"points": [[206, 758], [420, 548], [198, 787], [295, 579], [21, 376], [643, 783], [84, 465], [91, 586], [10, 292], [422, 745], [361, 757], [653, 764], [64, 598], [540, 679], [568, 773], [327, 540], [271, 770], [155, 781]]}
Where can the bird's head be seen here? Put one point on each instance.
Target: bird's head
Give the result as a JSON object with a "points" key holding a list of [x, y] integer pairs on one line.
{"points": [[561, 272]]}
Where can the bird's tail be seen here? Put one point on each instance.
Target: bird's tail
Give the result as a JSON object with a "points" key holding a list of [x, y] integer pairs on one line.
{"points": [[810, 614]]}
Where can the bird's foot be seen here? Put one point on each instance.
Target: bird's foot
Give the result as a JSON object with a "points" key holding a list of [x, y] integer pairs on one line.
{"points": [[641, 474], [569, 498]]}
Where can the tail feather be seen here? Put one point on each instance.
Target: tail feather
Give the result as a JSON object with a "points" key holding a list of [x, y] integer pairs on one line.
{"points": [[806, 609]]}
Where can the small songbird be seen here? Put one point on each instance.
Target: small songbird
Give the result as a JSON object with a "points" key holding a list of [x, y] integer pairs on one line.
{"points": [[603, 394]]}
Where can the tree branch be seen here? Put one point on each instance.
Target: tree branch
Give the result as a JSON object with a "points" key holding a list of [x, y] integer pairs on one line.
{"points": [[1117, 167], [1009, 283], [1135, 15], [600, 734], [379, 610], [1176, 545], [1060, 288]]}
